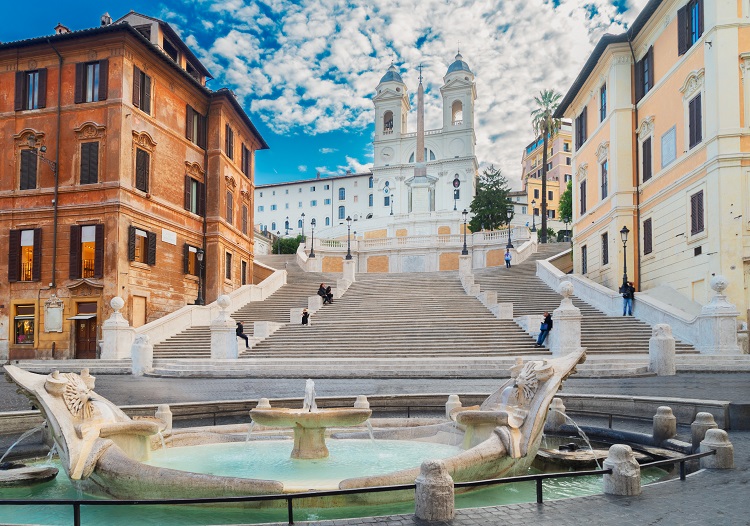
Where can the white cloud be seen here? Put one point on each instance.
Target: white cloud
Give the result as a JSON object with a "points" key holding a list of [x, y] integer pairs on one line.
{"points": [[302, 168], [328, 150], [353, 165]]}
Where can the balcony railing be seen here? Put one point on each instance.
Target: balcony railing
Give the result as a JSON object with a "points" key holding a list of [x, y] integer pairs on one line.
{"points": [[26, 272], [88, 268]]}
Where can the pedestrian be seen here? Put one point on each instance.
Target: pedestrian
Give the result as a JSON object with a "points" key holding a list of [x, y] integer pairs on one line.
{"points": [[544, 329], [323, 293], [305, 317], [628, 293], [240, 331], [507, 258], [329, 294]]}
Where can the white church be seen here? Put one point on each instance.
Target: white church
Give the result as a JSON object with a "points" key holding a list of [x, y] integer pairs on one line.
{"points": [[420, 182]]}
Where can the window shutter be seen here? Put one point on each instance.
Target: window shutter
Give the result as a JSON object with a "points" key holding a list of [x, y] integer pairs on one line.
{"points": [[99, 251], [42, 97], [651, 75], [638, 80], [142, 159], [28, 170], [151, 248], [36, 267], [698, 119], [93, 162], [700, 17], [682, 30], [696, 213], [202, 199], [146, 94], [699, 207], [136, 87], [584, 122], [188, 185], [80, 81], [605, 249], [131, 243], [244, 219], [185, 258], [14, 256], [646, 160], [202, 131], [20, 91], [75, 252], [85, 163], [103, 79], [647, 237], [189, 122]]}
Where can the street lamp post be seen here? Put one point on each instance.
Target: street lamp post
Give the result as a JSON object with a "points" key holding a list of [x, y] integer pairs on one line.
{"points": [[391, 203], [348, 237], [509, 215], [286, 225], [312, 238], [465, 251], [303, 227], [199, 256], [278, 241], [533, 216], [624, 235]]}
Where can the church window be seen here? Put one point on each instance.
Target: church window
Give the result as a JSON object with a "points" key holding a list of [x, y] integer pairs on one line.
{"points": [[431, 155], [342, 212], [369, 200], [342, 194], [328, 221], [370, 182], [388, 122], [457, 113]]}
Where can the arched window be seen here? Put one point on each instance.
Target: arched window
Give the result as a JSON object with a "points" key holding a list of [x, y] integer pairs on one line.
{"points": [[427, 155], [299, 223], [342, 212], [369, 216], [457, 113], [388, 122], [328, 221], [369, 200], [273, 225], [370, 182], [342, 194]]}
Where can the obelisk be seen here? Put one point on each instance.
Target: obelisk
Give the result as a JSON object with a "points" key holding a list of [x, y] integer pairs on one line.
{"points": [[420, 196]]}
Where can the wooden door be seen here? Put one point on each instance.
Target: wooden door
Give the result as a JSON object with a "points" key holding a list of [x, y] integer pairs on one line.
{"points": [[86, 339]]}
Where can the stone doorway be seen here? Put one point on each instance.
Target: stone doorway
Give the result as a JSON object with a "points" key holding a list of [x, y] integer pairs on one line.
{"points": [[85, 329]]}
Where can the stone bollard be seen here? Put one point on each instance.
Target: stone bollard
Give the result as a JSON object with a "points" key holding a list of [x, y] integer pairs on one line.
{"points": [[223, 333], [703, 422], [665, 424], [452, 403], [314, 303], [434, 497], [164, 414], [503, 311], [464, 265], [349, 273], [361, 402], [565, 336], [626, 473], [117, 334], [717, 440], [141, 355], [555, 416], [661, 352], [295, 317]]}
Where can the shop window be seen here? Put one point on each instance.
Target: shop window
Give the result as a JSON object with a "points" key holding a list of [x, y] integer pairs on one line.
{"points": [[24, 325]]}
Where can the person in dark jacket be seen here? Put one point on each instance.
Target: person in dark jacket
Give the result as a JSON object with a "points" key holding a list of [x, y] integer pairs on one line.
{"points": [[628, 293], [544, 329], [329, 294], [322, 293], [305, 316], [240, 331]]}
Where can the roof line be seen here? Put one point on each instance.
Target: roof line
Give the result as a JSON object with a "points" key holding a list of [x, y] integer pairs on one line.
{"points": [[324, 178], [227, 94]]}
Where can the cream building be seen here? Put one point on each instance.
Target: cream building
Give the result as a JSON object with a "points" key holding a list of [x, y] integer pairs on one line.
{"points": [[662, 147]]}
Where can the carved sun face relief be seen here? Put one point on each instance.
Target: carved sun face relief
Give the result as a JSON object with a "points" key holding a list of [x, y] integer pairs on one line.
{"points": [[77, 397]]}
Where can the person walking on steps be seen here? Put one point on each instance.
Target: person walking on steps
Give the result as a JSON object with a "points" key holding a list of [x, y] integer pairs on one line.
{"points": [[628, 293], [544, 329], [240, 331], [507, 258]]}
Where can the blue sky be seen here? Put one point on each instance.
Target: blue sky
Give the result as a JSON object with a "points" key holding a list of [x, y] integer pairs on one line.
{"points": [[305, 70]]}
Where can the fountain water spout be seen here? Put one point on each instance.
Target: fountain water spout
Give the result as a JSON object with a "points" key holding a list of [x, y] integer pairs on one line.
{"points": [[309, 404], [22, 437]]}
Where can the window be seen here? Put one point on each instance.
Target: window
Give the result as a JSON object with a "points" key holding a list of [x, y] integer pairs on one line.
{"points": [[28, 170], [141, 90], [273, 225], [227, 265], [299, 204], [328, 221], [647, 237], [141, 246], [568, 178], [24, 325], [603, 103], [243, 271], [195, 127], [536, 211], [369, 200], [695, 122], [605, 249], [314, 202], [456, 194], [644, 74], [273, 207], [142, 168], [568, 161], [327, 187], [261, 194], [604, 167], [583, 197], [87, 251], [550, 195], [342, 194], [194, 192], [549, 166], [31, 89], [550, 214], [581, 129], [91, 81], [229, 141], [369, 184], [299, 223], [646, 159], [342, 212], [286, 191], [89, 162], [244, 219], [696, 213], [312, 188], [286, 206], [245, 164], [230, 207], [25, 255], [356, 199], [299, 190], [566, 146], [457, 113], [260, 208], [584, 260], [326, 201], [387, 200], [536, 193], [190, 260], [388, 122], [523, 209], [689, 25]]}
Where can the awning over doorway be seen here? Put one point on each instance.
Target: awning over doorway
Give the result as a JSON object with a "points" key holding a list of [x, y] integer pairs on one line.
{"points": [[82, 317]]}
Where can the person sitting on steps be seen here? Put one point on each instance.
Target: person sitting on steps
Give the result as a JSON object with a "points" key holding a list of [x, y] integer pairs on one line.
{"points": [[544, 329], [323, 292], [329, 294], [240, 331]]}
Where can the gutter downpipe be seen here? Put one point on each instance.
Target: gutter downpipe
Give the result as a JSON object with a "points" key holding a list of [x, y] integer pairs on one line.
{"points": [[637, 244], [57, 165], [205, 199]]}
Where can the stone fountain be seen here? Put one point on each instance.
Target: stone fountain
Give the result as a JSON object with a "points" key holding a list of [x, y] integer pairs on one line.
{"points": [[309, 423]]}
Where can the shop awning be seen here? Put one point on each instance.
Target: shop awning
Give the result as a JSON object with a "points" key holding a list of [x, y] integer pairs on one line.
{"points": [[83, 317], [24, 318]]}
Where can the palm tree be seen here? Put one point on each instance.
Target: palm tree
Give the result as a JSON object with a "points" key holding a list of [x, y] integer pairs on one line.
{"points": [[545, 125]]}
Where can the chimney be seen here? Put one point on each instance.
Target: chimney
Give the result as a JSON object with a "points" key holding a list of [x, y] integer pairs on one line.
{"points": [[106, 19], [60, 29], [317, 175]]}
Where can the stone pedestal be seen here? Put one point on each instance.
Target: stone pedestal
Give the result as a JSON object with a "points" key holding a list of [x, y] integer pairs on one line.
{"points": [[342, 285], [473, 290], [626, 473], [434, 496], [665, 424], [309, 443], [164, 414], [718, 440], [452, 403], [555, 416], [223, 333], [264, 329], [117, 334], [718, 322], [361, 402], [503, 311], [349, 273], [464, 265], [703, 422], [661, 351], [565, 336], [141, 355], [467, 281], [314, 303]]}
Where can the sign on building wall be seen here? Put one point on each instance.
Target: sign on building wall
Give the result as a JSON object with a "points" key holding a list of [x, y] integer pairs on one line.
{"points": [[669, 147], [53, 314], [167, 236]]}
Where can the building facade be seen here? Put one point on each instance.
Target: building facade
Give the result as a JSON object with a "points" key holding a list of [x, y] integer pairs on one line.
{"points": [[662, 148], [119, 167]]}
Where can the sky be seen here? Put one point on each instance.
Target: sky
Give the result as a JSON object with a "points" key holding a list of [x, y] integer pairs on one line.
{"points": [[306, 70]]}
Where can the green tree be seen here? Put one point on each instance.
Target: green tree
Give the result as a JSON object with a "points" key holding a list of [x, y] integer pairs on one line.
{"points": [[288, 245], [566, 204], [491, 203], [545, 126]]}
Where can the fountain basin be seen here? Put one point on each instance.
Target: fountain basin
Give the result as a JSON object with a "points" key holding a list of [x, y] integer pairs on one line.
{"points": [[23, 475]]}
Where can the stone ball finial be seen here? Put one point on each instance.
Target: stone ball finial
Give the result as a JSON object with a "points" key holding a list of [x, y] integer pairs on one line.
{"points": [[433, 468], [719, 283], [620, 453], [566, 289], [224, 302], [117, 303], [661, 330]]}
